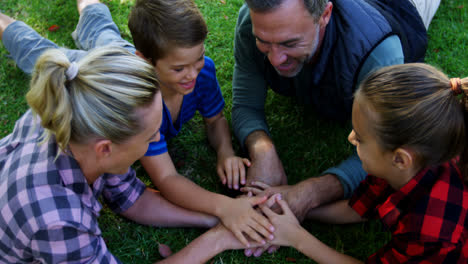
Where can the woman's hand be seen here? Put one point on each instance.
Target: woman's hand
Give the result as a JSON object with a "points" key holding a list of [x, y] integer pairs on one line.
{"points": [[231, 170], [245, 222]]}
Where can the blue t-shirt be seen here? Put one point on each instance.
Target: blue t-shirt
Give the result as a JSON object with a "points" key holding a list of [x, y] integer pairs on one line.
{"points": [[206, 98]]}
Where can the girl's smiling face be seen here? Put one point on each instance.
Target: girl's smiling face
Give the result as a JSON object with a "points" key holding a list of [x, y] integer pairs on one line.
{"points": [[179, 69]]}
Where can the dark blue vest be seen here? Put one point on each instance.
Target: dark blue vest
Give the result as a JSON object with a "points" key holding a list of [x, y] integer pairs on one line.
{"points": [[356, 27]]}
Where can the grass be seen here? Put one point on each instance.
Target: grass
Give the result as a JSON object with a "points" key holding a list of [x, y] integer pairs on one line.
{"points": [[313, 146]]}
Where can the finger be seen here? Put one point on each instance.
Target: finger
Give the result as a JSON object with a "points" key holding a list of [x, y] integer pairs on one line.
{"points": [[268, 212], [221, 174], [262, 185], [263, 221], [273, 248], [246, 162], [284, 206], [270, 202], [228, 171], [259, 251], [242, 175], [257, 200], [241, 238], [254, 190], [254, 235], [235, 176], [266, 233]]}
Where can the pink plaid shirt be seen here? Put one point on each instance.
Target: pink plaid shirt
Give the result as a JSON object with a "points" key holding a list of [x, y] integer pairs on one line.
{"points": [[48, 212]]}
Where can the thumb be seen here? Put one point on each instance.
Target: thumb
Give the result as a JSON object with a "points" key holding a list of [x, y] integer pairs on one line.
{"points": [[284, 206]]}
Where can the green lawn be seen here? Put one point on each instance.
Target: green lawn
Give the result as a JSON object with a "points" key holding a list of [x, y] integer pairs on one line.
{"points": [[313, 146]]}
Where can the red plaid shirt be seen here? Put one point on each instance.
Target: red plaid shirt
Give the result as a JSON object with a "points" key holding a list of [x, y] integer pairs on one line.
{"points": [[427, 217]]}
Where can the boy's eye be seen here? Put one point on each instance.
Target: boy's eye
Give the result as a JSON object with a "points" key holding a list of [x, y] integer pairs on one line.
{"points": [[178, 69]]}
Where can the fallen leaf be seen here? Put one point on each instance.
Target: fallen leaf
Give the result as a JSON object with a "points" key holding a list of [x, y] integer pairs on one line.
{"points": [[164, 250], [226, 17], [289, 259], [53, 28], [460, 6], [222, 2]]}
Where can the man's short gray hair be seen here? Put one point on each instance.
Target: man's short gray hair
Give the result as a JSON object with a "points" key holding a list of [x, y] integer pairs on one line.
{"points": [[315, 7]]}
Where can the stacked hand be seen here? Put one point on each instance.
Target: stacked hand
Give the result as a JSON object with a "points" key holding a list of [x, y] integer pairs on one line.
{"points": [[243, 220]]}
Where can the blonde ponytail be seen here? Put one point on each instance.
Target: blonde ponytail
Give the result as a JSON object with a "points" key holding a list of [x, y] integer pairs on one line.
{"points": [[49, 97], [100, 101]]}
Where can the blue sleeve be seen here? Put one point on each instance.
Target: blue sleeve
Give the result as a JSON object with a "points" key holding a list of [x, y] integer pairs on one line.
{"points": [[388, 52], [350, 173], [157, 148], [211, 100]]}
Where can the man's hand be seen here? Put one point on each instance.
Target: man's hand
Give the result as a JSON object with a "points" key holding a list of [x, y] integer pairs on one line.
{"points": [[266, 166]]}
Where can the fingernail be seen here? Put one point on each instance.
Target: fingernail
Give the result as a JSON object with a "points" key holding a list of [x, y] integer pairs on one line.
{"points": [[258, 253], [271, 237], [248, 252], [243, 182], [272, 228], [271, 250], [248, 245], [280, 197], [236, 187], [230, 186], [263, 242]]}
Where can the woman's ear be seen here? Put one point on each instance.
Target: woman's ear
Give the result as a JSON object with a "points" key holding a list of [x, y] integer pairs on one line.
{"points": [[103, 148], [403, 159]]}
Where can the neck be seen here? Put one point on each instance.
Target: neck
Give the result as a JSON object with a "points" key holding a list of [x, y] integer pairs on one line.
{"points": [[402, 177], [87, 161]]}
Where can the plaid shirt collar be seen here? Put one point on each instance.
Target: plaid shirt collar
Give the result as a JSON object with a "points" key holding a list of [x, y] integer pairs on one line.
{"points": [[74, 179], [402, 202]]}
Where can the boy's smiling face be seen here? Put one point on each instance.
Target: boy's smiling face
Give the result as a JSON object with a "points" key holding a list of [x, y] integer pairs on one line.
{"points": [[179, 69]]}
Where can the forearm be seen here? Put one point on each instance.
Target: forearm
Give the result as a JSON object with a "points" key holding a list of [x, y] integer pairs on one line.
{"points": [[219, 137], [316, 191], [265, 160], [152, 209], [187, 194], [338, 212], [318, 251], [199, 250]]}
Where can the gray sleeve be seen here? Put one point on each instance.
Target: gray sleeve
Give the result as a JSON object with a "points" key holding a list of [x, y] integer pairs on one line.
{"points": [[249, 86], [388, 52]]}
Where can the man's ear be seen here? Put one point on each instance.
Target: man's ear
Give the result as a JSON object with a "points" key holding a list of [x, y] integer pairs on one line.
{"points": [[139, 54], [103, 148], [403, 159], [326, 15]]}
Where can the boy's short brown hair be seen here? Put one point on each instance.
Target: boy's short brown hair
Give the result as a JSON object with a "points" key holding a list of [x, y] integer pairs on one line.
{"points": [[157, 26]]}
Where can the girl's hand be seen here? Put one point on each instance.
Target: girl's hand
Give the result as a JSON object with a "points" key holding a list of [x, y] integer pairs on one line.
{"points": [[231, 171], [245, 222], [286, 225]]}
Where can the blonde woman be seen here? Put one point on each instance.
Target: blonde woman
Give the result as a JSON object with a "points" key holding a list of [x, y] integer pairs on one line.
{"points": [[88, 122]]}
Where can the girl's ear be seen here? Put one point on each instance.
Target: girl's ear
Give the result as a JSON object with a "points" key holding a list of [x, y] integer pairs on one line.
{"points": [[403, 159]]}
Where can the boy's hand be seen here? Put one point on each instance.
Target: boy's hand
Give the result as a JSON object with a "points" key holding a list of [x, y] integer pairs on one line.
{"points": [[231, 171], [286, 225], [242, 219]]}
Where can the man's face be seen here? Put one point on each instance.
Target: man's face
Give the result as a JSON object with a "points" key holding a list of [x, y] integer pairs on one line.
{"points": [[288, 35]]}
